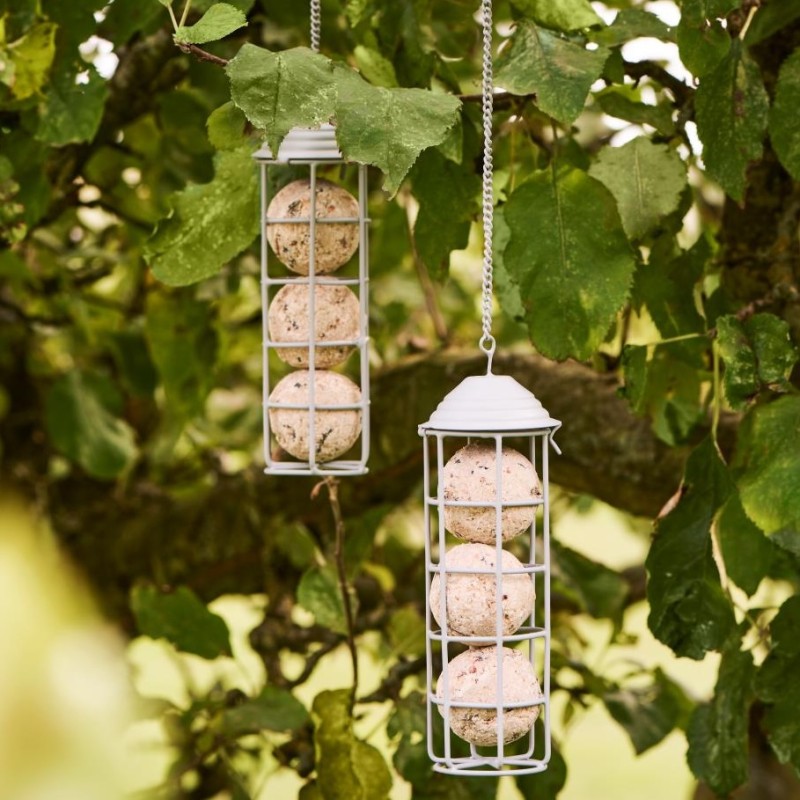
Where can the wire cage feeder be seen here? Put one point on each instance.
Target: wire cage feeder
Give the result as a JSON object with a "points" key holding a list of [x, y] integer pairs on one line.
{"points": [[478, 594], [315, 322]]}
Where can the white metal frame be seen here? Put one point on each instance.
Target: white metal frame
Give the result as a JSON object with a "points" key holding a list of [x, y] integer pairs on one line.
{"points": [[314, 157], [481, 764]]}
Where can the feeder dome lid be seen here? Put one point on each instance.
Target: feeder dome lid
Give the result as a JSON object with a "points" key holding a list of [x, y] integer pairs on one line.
{"points": [[304, 144], [490, 403]]}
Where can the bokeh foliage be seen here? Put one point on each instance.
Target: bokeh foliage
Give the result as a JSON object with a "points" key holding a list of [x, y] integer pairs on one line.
{"points": [[630, 199]]}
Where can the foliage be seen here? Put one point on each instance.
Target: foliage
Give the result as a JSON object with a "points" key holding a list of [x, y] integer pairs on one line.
{"points": [[666, 262]]}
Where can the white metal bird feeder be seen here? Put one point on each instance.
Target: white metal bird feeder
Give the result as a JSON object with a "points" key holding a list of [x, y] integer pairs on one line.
{"points": [[316, 418], [486, 479]]}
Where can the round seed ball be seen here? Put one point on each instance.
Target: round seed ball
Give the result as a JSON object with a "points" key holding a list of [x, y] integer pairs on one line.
{"points": [[336, 315], [471, 474], [472, 678], [335, 242], [335, 430], [472, 599]]}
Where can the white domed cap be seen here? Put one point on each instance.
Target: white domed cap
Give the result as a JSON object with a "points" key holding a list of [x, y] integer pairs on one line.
{"points": [[304, 144], [489, 403]]}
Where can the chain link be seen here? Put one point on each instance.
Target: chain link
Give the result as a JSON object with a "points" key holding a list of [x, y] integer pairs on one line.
{"points": [[487, 342], [316, 24]]}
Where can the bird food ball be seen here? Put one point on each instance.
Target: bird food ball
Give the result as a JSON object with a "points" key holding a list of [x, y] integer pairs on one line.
{"points": [[472, 598], [335, 241], [472, 678], [336, 315], [471, 474], [335, 430]]}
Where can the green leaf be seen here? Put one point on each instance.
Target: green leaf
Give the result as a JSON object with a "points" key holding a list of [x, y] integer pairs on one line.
{"points": [[633, 23], [667, 284], [695, 12], [226, 127], [732, 106], [646, 179], [600, 591], [318, 592], [757, 352], [218, 22], [660, 384], [545, 785], [769, 19], [210, 223], [703, 47], [347, 768], [72, 111], [181, 618], [85, 429], [274, 709], [570, 258], [784, 131], [747, 553], [183, 344], [31, 57], [616, 104], [649, 713], [777, 685], [447, 195], [767, 464], [558, 71], [406, 631], [565, 15], [375, 67], [718, 731], [505, 288], [689, 611], [389, 128], [280, 91]]}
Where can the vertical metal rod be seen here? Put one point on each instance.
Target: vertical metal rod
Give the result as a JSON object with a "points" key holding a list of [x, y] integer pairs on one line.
{"points": [[363, 299], [498, 557], [445, 628], [546, 576], [426, 466], [265, 388], [312, 294]]}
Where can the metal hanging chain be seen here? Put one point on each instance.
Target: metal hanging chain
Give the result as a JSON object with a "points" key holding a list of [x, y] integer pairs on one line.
{"points": [[316, 24], [487, 342]]}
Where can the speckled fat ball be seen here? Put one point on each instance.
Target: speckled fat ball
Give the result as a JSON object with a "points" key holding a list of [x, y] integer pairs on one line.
{"points": [[472, 678], [471, 474], [335, 430], [335, 241], [336, 315], [472, 598]]}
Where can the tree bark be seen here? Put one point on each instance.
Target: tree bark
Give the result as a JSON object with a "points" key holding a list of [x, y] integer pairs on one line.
{"points": [[217, 539]]}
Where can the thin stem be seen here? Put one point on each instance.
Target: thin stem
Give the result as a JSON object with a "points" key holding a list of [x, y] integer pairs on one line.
{"points": [[202, 55], [746, 26], [428, 289], [717, 406], [185, 14], [172, 17], [332, 485]]}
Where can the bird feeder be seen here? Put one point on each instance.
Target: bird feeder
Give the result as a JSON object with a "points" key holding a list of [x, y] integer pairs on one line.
{"points": [[485, 452], [314, 293], [486, 484]]}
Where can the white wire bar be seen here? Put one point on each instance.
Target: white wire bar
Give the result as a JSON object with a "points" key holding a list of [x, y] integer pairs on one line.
{"points": [[274, 277], [447, 750]]}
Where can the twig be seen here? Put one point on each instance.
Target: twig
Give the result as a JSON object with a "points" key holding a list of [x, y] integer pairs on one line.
{"points": [[332, 485], [392, 684], [201, 55], [501, 99], [428, 290], [640, 69]]}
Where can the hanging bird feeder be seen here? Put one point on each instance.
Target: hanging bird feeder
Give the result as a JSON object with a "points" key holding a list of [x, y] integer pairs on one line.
{"points": [[314, 293], [485, 455]]}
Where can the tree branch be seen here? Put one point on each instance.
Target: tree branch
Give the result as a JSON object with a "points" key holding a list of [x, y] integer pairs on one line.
{"points": [[201, 55], [607, 452]]}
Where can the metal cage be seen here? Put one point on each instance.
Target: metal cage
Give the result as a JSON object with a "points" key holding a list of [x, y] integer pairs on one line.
{"points": [[494, 410], [313, 151]]}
